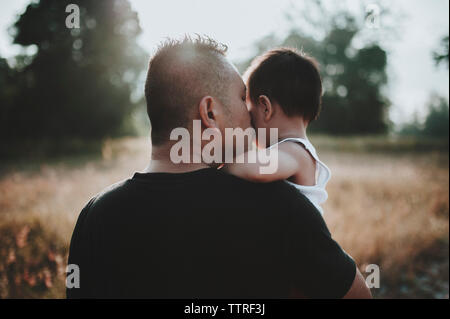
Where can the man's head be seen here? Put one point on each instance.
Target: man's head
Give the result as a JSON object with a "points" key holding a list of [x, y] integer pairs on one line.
{"points": [[191, 79]]}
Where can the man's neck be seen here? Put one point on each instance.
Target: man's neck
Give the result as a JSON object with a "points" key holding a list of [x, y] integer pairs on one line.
{"points": [[162, 166], [161, 163]]}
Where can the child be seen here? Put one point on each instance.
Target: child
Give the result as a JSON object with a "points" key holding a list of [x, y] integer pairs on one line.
{"points": [[284, 91]]}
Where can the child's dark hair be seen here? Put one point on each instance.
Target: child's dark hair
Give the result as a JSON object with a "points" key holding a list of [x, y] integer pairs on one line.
{"points": [[288, 77]]}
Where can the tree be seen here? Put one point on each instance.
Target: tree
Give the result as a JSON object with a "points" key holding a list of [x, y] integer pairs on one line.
{"points": [[441, 54], [8, 91], [437, 121], [80, 81]]}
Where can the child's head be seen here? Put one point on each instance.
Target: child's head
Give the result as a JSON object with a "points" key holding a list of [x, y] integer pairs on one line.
{"points": [[283, 79]]}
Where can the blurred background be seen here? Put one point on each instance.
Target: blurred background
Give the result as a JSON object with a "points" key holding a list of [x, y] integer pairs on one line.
{"points": [[73, 121]]}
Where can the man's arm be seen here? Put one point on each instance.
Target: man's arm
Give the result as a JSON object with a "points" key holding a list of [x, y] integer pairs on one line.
{"points": [[318, 266], [359, 289], [80, 255]]}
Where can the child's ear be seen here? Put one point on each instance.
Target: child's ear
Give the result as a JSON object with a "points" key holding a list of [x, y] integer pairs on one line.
{"points": [[266, 107]]}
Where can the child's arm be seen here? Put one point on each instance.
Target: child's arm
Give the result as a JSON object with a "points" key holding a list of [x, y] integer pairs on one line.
{"points": [[288, 158]]}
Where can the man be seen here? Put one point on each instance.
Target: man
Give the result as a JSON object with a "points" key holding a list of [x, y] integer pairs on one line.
{"points": [[189, 230]]}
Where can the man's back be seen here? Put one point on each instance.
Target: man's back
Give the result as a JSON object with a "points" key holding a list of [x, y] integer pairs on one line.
{"points": [[205, 234]]}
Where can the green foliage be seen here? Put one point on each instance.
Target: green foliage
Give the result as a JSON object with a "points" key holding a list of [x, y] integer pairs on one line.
{"points": [[436, 122], [412, 128], [8, 92], [353, 77], [80, 81], [441, 55]]}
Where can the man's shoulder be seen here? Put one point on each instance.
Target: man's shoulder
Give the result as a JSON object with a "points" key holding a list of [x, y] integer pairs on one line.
{"points": [[286, 195], [295, 202], [106, 199], [280, 189], [296, 205], [112, 191]]}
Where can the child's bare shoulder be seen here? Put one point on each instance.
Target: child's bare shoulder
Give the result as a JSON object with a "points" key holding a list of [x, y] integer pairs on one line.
{"points": [[298, 151], [306, 162]]}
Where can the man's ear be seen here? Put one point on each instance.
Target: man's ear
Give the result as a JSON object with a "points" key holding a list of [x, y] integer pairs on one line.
{"points": [[207, 109], [266, 107]]}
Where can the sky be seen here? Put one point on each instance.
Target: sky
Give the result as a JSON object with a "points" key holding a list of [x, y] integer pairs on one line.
{"points": [[413, 76]]}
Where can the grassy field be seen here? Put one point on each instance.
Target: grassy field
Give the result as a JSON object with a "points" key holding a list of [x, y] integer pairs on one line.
{"points": [[388, 205]]}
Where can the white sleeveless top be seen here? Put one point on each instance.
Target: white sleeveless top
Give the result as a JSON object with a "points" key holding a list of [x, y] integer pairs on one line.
{"points": [[317, 193]]}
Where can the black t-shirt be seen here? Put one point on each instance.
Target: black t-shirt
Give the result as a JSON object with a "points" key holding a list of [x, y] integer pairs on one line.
{"points": [[205, 234]]}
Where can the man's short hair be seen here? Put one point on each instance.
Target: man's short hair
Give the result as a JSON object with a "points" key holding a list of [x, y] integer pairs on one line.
{"points": [[180, 74], [289, 77]]}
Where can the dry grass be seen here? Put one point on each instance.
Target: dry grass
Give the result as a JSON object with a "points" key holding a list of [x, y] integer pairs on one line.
{"points": [[385, 209], [393, 211]]}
